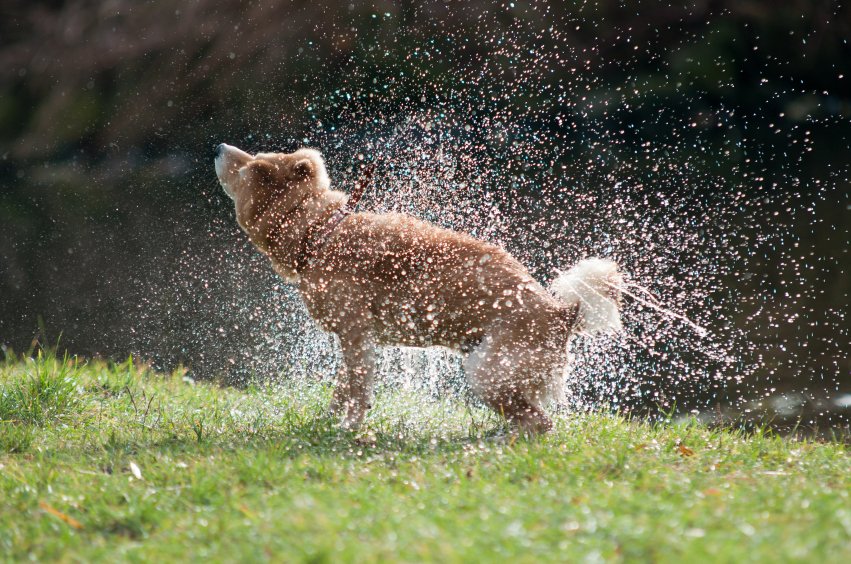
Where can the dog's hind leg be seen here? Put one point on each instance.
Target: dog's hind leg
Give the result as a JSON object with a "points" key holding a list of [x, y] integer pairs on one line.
{"points": [[353, 392], [521, 412], [511, 380]]}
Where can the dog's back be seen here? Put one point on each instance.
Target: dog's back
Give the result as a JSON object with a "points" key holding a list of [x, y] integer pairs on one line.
{"points": [[413, 283]]}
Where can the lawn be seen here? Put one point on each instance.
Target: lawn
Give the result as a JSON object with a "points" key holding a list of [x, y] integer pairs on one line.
{"points": [[115, 461]]}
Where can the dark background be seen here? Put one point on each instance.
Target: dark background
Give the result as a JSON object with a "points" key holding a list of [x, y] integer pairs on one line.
{"points": [[703, 144]]}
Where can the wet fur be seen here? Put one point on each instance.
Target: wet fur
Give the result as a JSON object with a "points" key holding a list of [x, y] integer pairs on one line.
{"points": [[391, 279]]}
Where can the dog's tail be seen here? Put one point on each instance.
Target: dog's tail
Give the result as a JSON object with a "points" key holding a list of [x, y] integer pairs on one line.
{"points": [[594, 285]]}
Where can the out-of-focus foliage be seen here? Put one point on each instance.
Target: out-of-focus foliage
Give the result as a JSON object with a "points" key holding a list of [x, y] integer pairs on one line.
{"points": [[99, 79]]}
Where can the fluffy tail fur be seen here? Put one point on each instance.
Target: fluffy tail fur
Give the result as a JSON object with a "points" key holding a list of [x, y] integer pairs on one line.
{"points": [[594, 285]]}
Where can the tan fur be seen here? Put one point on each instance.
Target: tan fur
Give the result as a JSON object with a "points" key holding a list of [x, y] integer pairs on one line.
{"points": [[395, 280]]}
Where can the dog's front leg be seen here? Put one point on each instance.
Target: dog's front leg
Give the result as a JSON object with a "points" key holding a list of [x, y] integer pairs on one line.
{"points": [[337, 406], [353, 393]]}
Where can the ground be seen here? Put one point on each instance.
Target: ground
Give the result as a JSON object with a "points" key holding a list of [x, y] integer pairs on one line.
{"points": [[116, 461]]}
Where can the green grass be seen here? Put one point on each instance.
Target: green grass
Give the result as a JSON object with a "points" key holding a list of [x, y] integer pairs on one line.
{"points": [[114, 461]]}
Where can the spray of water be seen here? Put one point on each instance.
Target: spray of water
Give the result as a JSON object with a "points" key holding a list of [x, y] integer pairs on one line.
{"points": [[688, 202]]}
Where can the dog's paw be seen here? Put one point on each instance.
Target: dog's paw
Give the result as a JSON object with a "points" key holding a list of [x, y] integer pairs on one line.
{"points": [[353, 418], [368, 439], [351, 424]]}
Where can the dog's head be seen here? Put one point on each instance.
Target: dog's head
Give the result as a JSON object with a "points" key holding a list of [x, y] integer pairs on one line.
{"points": [[256, 178]]}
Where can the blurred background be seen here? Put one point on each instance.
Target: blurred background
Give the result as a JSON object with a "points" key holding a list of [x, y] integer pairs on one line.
{"points": [[703, 144]]}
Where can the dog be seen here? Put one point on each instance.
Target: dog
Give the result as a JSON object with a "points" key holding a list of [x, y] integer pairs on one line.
{"points": [[391, 279]]}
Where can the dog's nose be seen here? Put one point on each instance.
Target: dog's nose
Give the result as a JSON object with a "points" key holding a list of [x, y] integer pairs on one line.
{"points": [[220, 149]]}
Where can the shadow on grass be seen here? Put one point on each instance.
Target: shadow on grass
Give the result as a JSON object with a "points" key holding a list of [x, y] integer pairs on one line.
{"points": [[320, 437]]}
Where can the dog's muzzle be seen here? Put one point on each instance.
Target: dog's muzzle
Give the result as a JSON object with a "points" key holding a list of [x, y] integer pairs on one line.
{"points": [[228, 160]]}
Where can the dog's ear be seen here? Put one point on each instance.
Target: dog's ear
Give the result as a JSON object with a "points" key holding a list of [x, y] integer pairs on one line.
{"points": [[304, 168]]}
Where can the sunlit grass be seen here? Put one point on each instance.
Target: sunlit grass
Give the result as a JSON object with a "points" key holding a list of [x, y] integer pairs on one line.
{"points": [[40, 390], [117, 461]]}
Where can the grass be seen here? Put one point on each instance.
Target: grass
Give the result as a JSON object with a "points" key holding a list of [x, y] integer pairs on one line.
{"points": [[114, 461]]}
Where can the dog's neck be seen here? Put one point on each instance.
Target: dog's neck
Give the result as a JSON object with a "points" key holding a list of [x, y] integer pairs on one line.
{"points": [[278, 228]]}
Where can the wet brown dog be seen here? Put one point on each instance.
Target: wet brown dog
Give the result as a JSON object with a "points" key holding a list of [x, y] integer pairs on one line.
{"points": [[391, 279]]}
